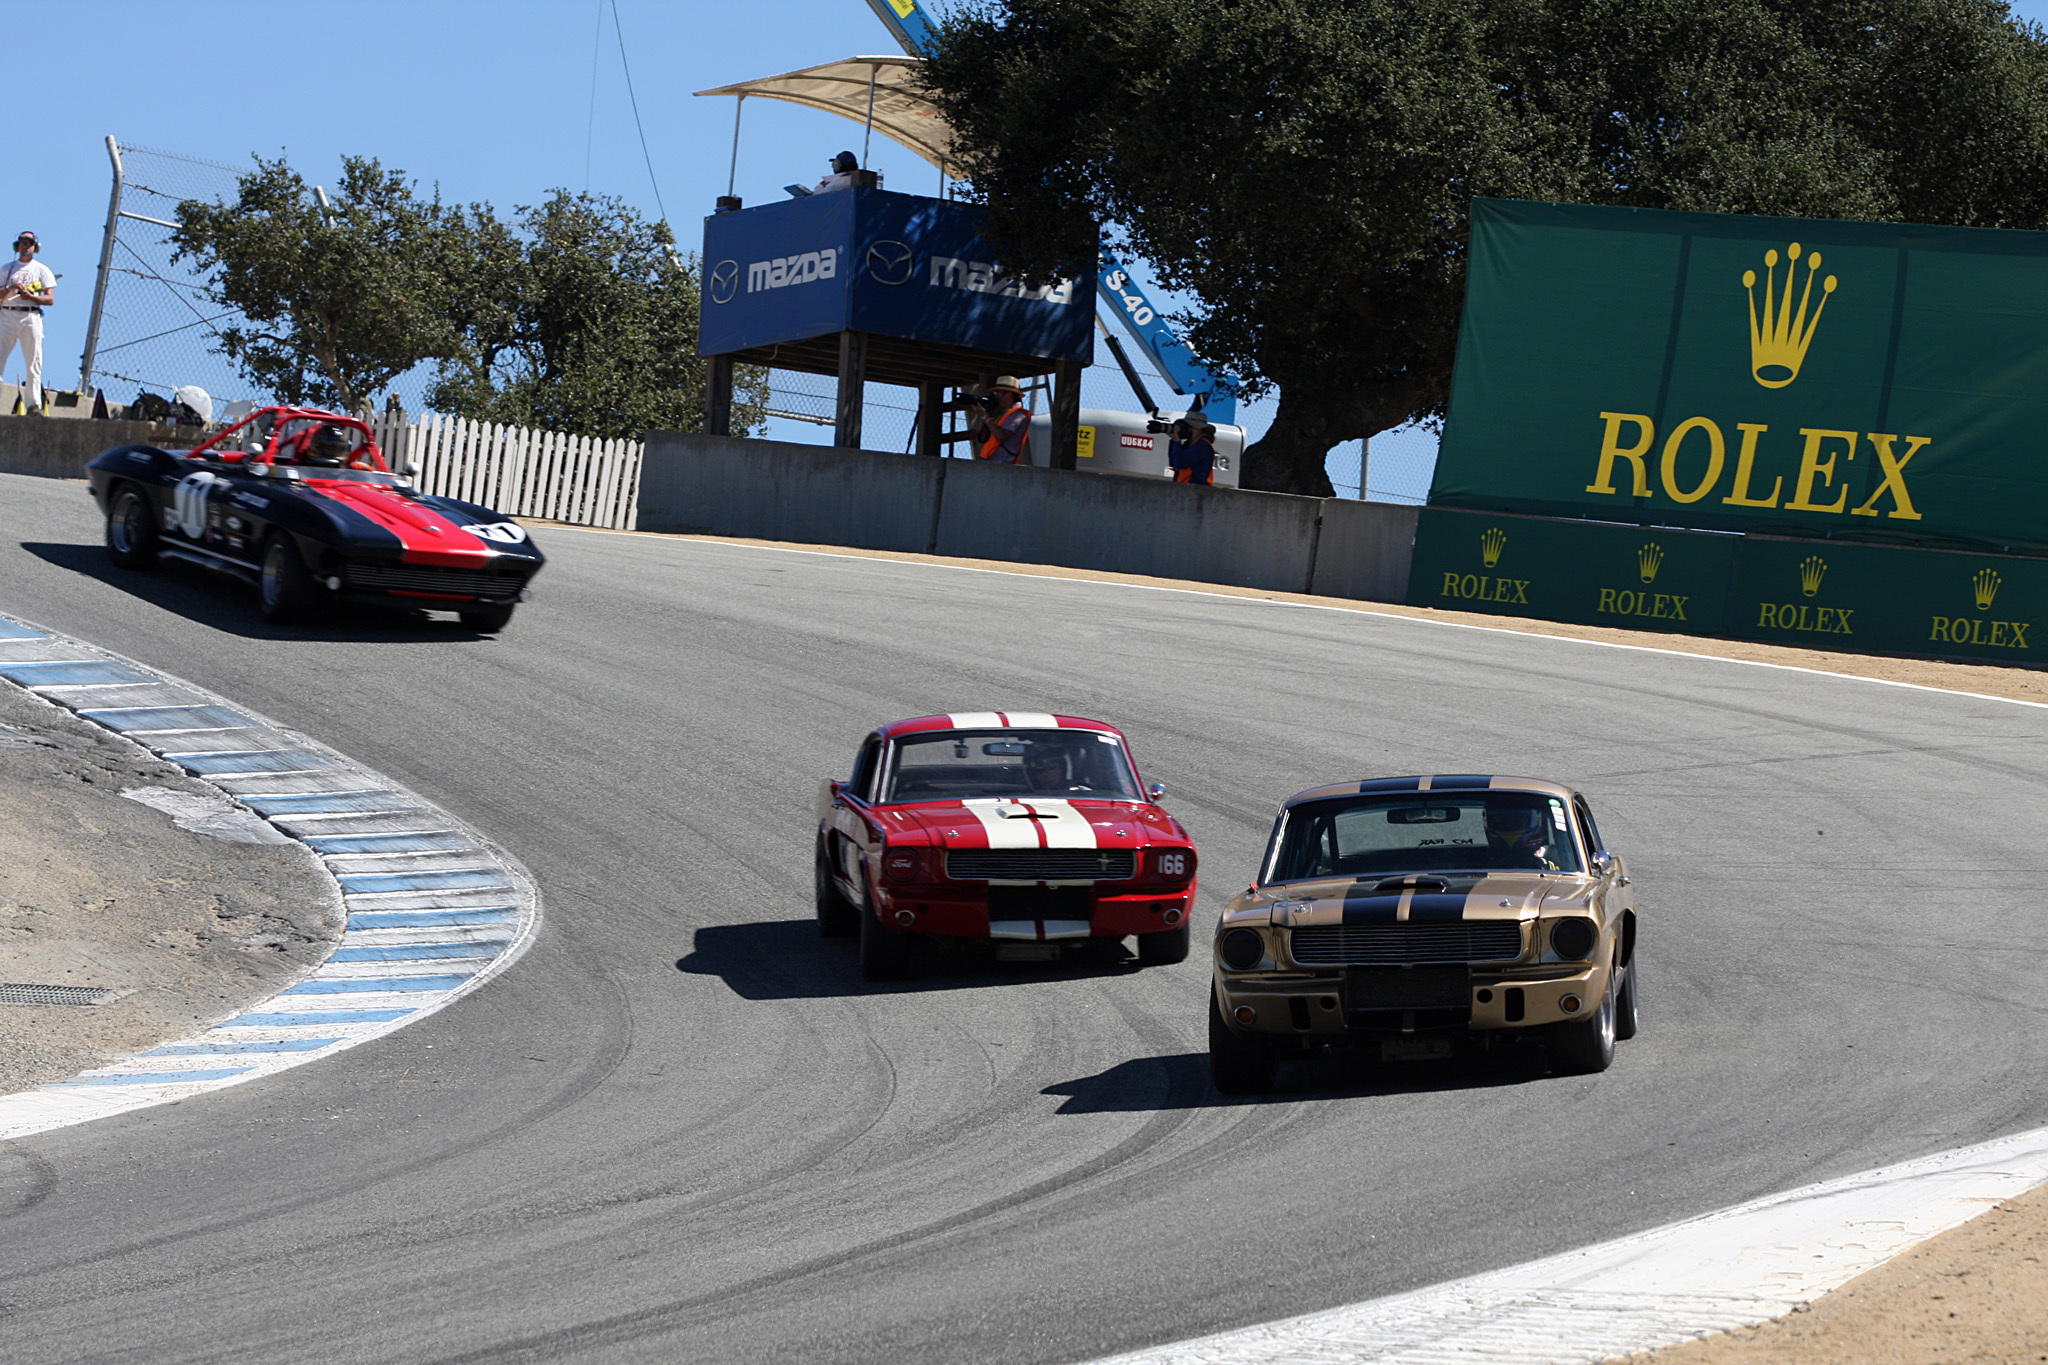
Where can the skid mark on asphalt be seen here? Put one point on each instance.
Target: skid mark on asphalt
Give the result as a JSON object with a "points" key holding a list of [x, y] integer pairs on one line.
{"points": [[418, 937]]}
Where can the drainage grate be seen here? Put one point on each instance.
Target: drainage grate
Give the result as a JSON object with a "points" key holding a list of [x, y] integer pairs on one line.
{"points": [[16, 993]]}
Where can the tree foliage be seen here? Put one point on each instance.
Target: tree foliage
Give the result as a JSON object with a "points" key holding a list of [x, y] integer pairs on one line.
{"points": [[337, 300], [1303, 168], [583, 320]]}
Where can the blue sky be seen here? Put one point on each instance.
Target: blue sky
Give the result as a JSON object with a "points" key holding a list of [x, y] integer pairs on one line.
{"points": [[492, 101]]}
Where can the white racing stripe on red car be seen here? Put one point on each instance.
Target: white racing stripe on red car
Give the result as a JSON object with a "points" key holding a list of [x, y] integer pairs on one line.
{"points": [[1012, 822], [1001, 720], [1038, 930]]}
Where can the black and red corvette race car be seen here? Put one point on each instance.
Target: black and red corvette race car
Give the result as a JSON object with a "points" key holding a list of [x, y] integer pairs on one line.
{"points": [[1029, 833], [301, 504]]}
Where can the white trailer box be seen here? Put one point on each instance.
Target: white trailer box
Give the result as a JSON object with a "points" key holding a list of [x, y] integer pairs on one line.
{"points": [[1117, 443]]}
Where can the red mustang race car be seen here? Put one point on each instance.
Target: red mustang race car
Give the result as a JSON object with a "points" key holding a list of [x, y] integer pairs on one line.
{"points": [[1032, 833]]}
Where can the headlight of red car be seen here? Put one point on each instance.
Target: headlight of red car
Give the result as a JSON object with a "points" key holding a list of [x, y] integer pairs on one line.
{"points": [[902, 864], [1173, 864]]}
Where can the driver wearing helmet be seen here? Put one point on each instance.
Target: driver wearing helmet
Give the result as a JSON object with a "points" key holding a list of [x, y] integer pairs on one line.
{"points": [[1519, 837], [1045, 770], [328, 446]]}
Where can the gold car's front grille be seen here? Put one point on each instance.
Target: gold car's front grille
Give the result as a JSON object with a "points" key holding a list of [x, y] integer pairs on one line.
{"points": [[1342, 945]]}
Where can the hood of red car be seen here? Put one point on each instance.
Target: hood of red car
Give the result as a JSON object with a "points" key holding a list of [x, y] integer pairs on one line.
{"points": [[1032, 822], [428, 537]]}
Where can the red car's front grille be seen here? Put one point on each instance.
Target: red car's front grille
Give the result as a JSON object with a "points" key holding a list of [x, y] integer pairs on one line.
{"points": [[410, 578], [1042, 864]]}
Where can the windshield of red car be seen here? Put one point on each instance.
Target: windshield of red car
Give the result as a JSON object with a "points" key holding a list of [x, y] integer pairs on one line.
{"points": [[1465, 831], [1058, 764]]}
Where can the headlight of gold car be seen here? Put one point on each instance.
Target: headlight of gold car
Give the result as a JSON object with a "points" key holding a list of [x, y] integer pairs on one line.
{"points": [[1241, 949], [1573, 939]]}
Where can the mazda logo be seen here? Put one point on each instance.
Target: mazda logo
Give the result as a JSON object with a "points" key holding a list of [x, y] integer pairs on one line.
{"points": [[890, 263], [725, 281]]}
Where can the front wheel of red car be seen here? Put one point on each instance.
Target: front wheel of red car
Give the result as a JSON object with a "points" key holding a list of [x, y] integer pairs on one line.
{"points": [[288, 591], [1239, 1064], [884, 956], [836, 918], [1164, 948], [489, 619]]}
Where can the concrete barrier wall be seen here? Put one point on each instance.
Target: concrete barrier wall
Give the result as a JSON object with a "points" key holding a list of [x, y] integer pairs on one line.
{"points": [[1365, 549], [773, 490], [778, 490], [1127, 525], [54, 448]]}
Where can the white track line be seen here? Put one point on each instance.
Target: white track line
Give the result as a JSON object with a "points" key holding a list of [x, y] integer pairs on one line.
{"points": [[1729, 1269], [422, 931]]}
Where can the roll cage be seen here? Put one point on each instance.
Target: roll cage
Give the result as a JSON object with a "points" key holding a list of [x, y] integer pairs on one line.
{"points": [[282, 435]]}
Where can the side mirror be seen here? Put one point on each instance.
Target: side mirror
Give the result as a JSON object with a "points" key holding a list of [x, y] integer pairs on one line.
{"points": [[411, 470], [1156, 791], [1602, 862]]}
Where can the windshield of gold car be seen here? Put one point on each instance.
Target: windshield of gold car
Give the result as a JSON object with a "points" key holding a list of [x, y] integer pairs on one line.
{"points": [[1059, 764], [1467, 831]]}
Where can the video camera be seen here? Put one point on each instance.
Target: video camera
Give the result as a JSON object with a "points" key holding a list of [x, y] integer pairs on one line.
{"points": [[1182, 429]]}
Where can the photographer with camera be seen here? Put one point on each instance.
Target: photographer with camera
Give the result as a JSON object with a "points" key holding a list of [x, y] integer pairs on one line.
{"points": [[1007, 422], [1191, 454]]}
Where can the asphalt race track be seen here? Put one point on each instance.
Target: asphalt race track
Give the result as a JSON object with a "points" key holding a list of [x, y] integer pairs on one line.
{"points": [[682, 1128]]}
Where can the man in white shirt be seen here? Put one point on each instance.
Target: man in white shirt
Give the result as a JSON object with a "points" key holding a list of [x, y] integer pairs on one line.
{"points": [[842, 178], [27, 286]]}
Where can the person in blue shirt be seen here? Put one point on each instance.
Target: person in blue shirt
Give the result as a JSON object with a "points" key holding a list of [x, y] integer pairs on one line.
{"points": [[1193, 458]]}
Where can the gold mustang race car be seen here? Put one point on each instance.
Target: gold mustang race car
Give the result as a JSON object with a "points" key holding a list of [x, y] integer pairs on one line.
{"points": [[1415, 916]]}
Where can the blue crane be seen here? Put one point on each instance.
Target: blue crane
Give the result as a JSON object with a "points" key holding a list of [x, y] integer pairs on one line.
{"points": [[1211, 390]]}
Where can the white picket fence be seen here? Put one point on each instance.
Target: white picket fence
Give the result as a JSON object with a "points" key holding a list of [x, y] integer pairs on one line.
{"points": [[516, 470]]}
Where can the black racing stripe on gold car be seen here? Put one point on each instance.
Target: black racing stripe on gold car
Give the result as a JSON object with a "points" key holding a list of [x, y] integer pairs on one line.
{"points": [[1372, 909], [1391, 784], [1424, 907], [1465, 783]]}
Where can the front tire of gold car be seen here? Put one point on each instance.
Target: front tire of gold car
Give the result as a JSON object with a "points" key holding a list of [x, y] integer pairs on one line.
{"points": [[1581, 1047], [1625, 1005], [884, 956], [1164, 948], [1239, 1064]]}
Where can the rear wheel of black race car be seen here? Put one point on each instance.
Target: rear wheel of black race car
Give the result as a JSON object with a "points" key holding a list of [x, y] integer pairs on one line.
{"points": [[489, 619], [1164, 948], [131, 529], [883, 956], [1581, 1047], [836, 916], [1239, 1064], [287, 587]]}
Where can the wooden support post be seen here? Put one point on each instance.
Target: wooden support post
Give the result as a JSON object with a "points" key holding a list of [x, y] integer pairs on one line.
{"points": [[931, 416], [853, 378], [718, 395], [1066, 414]]}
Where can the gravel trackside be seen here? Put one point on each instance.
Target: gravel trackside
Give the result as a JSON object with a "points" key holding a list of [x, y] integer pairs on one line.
{"points": [[101, 890]]}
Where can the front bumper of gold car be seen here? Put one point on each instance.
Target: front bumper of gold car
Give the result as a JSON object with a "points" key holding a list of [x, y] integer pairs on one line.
{"points": [[1328, 1005]]}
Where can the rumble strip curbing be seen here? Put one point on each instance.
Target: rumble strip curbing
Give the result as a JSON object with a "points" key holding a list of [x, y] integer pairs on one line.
{"points": [[435, 910]]}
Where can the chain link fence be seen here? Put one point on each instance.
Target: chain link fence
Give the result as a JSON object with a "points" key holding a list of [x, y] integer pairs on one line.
{"points": [[156, 321]]}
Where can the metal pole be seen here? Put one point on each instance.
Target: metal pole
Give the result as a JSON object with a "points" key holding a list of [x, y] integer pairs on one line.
{"points": [[732, 176], [326, 209], [867, 140], [99, 289], [1364, 464]]}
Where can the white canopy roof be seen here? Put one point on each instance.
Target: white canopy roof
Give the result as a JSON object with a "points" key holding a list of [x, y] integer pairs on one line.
{"points": [[841, 88]]}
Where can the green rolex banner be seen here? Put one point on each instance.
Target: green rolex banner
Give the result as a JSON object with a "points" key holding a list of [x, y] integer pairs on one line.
{"points": [[1785, 376]]}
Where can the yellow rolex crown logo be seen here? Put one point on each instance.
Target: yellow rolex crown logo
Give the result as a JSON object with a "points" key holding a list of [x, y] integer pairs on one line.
{"points": [[1649, 559], [1491, 542], [1779, 334], [1986, 584], [1810, 574]]}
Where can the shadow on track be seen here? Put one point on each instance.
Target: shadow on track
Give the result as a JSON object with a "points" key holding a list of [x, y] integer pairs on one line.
{"points": [[227, 604], [1181, 1081], [786, 960]]}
